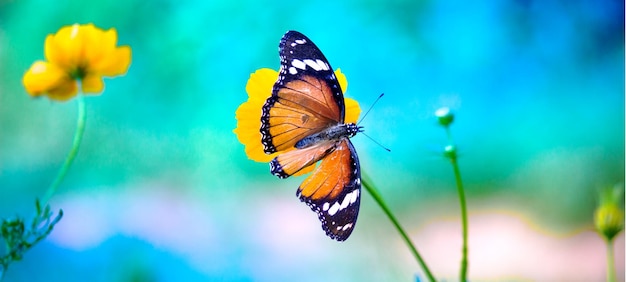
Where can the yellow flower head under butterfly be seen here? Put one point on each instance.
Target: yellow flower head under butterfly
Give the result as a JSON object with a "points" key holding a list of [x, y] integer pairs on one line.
{"points": [[77, 53], [248, 114]]}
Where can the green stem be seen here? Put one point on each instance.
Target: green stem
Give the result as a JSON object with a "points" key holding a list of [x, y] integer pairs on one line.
{"points": [[369, 186], [610, 263], [450, 153], [459, 186], [78, 136]]}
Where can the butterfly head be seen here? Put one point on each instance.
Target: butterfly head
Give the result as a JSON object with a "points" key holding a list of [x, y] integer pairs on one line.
{"points": [[353, 129]]}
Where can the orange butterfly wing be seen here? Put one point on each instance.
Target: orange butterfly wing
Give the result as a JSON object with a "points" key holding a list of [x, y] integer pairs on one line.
{"points": [[299, 108], [290, 163]]}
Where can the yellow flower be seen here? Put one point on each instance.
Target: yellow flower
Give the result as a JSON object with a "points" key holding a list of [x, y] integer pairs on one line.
{"points": [[248, 114], [76, 55]]}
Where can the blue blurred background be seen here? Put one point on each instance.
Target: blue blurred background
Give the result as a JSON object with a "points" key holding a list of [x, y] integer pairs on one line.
{"points": [[161, 189]]}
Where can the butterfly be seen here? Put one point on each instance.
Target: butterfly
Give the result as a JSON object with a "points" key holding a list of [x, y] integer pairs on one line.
{"points": [[306, 111]]}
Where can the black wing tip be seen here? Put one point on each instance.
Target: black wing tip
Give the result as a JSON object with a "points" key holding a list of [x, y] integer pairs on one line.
{"points": [[289, 35], [292, 33]]}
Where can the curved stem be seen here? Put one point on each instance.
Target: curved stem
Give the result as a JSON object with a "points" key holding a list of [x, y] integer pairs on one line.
{"points": [[378, 198], [459, 186], [78, 136]]}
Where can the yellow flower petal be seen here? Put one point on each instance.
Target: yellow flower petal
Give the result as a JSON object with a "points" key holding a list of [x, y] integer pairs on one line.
{"points": [[353, 110], [92, 84], [114, 63], [343, 81], [65, 91], [103, 57], [248, 114], [260, 84], [65, 48], [43, 77], [97, 43]]}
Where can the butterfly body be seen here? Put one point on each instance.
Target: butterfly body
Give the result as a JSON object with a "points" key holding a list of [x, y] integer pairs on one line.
{"points": [[303, 121], [334, 132]]}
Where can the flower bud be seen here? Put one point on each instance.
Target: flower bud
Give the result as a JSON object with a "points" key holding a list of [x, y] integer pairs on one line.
{"points": [[609, 220], [444, 116], [609, 217], [450, 152]]}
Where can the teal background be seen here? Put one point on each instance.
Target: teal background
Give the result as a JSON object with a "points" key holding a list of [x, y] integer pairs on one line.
{"points": [[162, 190]]}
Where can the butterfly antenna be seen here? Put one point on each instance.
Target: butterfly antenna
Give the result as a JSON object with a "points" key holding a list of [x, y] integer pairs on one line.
{"points": [[368, 110], [381, 145]]}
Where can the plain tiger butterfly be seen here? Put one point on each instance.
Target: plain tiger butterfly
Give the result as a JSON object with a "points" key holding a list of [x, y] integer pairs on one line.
{"points": [[306, 111]]}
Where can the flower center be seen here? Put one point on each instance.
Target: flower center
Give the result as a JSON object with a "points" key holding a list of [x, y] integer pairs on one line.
{"points": [[78, 73]]}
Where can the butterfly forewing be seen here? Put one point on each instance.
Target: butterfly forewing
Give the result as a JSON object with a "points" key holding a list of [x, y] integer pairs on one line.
{"points": [[333, 191], [305, 99], [299, 109]]}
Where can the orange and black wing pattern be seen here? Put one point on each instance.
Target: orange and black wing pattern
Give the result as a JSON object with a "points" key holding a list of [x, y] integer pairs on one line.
{"points": [[333, 191], [305, 99], [303, 121]]}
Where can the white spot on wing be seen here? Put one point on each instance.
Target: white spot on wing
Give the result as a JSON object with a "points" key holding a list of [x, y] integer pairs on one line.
{"points": [[334, 209], [298, 64], [292, 70], [313, 64], [350, 198], [323, 64], [300, 41], [355, 196], [346, 202]]}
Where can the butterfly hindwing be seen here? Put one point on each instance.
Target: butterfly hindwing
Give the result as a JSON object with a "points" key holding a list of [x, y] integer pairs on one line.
{"points": [[291, 162], [333, 190], [305, 99]]}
